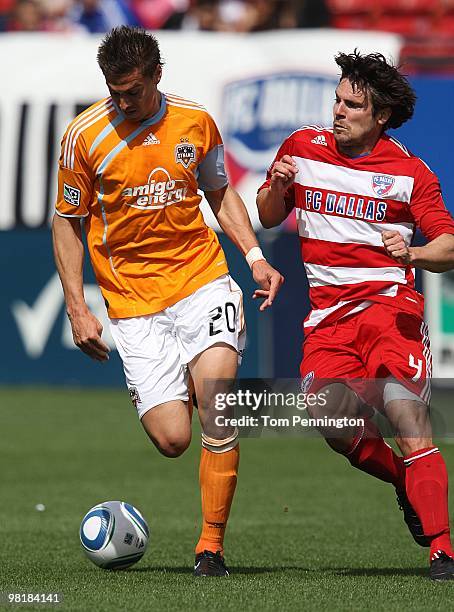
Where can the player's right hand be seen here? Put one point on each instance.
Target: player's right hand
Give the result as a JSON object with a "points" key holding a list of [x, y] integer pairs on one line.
{"points": [[87, 332], [283, 174], [270, 281]]}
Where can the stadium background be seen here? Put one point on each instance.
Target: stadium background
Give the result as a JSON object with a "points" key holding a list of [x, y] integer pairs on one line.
{"points": [[260, 83], [259, 87]]}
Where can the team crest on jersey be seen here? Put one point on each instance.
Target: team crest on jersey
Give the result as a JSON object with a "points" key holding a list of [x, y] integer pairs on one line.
{"points": [[134, 395], [185, 154], [382, 184], [307, 381], [71, 195]]}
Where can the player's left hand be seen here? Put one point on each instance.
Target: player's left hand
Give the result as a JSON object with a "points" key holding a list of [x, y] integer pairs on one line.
{"points": [[270, 281], [395, 247]]}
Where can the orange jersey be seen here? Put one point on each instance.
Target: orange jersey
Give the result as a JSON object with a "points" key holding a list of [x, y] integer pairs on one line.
{"points": [[136, 185]]}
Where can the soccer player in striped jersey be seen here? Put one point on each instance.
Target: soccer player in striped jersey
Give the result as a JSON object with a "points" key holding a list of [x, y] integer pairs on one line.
{"points": [[131, 165], [359, 195]]}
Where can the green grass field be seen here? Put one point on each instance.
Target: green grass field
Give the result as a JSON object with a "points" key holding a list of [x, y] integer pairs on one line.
{"points": [[307, 532]]}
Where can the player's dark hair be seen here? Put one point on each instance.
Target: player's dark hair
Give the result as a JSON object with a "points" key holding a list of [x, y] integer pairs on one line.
{"points": [[124, 49], [388, 88]]}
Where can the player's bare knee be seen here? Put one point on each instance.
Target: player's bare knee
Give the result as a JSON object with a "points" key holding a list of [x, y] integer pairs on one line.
{"points": [[408, 446], [335, 400], [341, 445], [410, 420], [342, 400], [172, 447]]}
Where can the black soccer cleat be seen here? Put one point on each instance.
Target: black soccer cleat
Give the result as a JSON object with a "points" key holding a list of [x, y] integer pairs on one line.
{"points": [[412, 520], [441, 567], [208, 563]]}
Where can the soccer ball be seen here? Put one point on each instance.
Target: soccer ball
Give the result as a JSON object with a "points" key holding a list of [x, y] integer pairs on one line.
{"points": [[114, 535]]}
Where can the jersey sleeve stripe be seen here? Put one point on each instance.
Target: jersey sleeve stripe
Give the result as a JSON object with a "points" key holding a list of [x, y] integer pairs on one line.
{"points": [[172, 103], [315, 128], [82, 129], [181, 100], [197, 108], [90, 112], [400, 145], [76, 129]]}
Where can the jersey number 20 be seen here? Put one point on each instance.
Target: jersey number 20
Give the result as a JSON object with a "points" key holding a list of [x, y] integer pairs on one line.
{"points": [[229, 317]]}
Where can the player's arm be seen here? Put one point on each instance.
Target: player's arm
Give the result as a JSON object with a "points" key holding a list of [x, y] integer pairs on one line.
{"points": [[232, 216], [69, 257], [75, 189], [433, 219], [271, 200], [436, 256]]}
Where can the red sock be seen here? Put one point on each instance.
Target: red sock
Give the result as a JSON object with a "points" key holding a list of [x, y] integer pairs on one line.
{"points": [[371, 454], [427, 491]]}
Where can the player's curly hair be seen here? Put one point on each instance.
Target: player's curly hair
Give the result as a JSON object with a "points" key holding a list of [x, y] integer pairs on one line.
{"points": [[387, 86], [126, 48]]}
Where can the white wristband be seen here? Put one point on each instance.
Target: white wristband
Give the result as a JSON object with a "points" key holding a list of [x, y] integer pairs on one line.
{"points": [[255, 254]]}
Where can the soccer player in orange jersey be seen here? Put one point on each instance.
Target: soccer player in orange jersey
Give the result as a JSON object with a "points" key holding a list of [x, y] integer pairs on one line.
{"points": [[132, 165]]}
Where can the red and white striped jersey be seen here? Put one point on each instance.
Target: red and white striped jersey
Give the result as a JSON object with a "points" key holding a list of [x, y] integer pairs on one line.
{"points": [[342, 207]]}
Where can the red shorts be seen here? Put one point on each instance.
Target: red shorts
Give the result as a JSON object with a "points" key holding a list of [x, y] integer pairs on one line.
{"points": [[364, 348]]}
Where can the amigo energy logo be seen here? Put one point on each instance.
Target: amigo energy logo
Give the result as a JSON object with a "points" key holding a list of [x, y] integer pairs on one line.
{"points": [[259, 113], [159, 191]]}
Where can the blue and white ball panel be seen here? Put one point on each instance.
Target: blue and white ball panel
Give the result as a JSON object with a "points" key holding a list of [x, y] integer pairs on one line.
{"points": [[96, 529], [136, 518], [122, 562], [114, 535]]}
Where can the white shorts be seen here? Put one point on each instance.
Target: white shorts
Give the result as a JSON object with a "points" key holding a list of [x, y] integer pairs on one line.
{"points": [[155, 349]]}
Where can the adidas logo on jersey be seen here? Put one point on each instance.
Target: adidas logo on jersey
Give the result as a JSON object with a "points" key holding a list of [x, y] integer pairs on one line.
{"points": [[150, 140], [320, 140]]}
